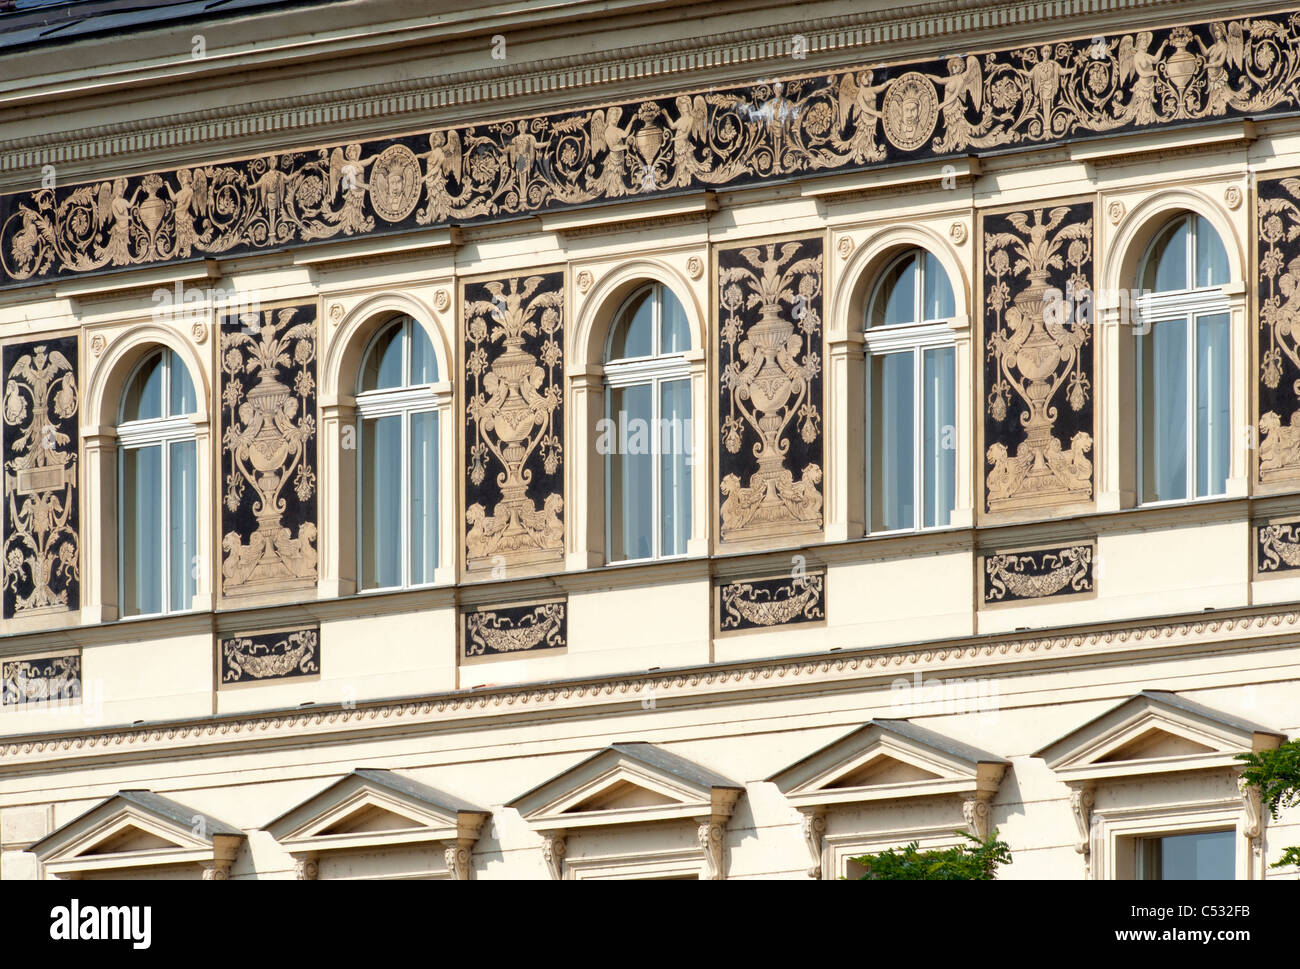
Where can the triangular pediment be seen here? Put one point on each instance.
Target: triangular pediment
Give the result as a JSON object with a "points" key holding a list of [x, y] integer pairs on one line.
{"points": [[1155, 732], [371, 808], [135, 830], [889, 759], [627, 783]]}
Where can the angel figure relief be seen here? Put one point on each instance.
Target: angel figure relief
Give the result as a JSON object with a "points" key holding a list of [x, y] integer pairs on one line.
{"points": [[856, 104], [965, 82], [347, 173], [513, 408], [1228, 49], [770, 370], [1035, 343], [41, 548], [690, 126], [268, 429], [606, 135], [1278, 209], [1136, 59]]}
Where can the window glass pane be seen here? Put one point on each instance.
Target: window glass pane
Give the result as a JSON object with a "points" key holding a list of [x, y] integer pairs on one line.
{"points": [[144, 394], [893, 437], [1166, 269], [674, 467], [936, 291], [424, 496], [182, 520], [381, 502], [1162, 369], [383, 366], [1212, 431], [1206, 856], [631, 474], [1211, 257], [633, 328], [895, 300], [142, 538], [674, 335], [182, 399], [424, 368], [938, 442]]}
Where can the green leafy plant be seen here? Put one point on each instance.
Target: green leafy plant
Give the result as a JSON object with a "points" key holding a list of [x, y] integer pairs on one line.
{"points": [[976, 861], [1276, 775]]}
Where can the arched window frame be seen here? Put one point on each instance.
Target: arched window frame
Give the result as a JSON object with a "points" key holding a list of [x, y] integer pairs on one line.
{"points": [[914, 337], [653, 370], [403, 402], [1188, 305], [163, 432]]}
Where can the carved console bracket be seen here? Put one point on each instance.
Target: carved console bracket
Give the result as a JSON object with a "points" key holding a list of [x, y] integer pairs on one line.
{"points": [[553, 847], [814, 836]]}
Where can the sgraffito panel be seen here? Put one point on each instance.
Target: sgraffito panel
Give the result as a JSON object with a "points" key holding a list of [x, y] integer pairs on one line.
{"points": [[1038, 573], [269, 656], [502, 630], [1278, 383], [1277, 547], [764, 603], [42, 540], [763, 131], [514, 420], [268, 450], [1038, 343], [770, 389], [38, 680]]}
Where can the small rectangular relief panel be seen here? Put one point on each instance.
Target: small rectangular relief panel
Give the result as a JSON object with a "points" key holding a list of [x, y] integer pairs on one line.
{"points": [[771, 601], [1277, 547], [1039, 573], [35, 680], [507, 629], [278, 655]]}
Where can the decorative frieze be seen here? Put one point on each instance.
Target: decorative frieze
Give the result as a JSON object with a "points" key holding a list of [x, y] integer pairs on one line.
{"points": [[1038, 573], [514, 420], [268, 450], [1038, 415], [35, 680], [500, 630], [1278, 235], [764, 603], [744, 135], [269, 656], [1277, 547], [42, 541], [770, 389]]}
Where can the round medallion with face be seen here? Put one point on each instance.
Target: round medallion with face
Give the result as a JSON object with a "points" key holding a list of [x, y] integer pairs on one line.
{"points": [[911, 111]]}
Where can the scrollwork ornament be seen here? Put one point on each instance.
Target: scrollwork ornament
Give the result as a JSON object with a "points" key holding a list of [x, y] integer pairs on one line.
{"points": [[1277, 230]]}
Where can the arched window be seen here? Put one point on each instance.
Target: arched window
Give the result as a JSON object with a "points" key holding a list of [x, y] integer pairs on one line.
{"points": [[1183, 364], [911, 396], [158, 488], [647, 443], [398, 450]]}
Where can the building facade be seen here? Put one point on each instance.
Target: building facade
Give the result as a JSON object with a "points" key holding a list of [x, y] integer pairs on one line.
{"points": [[648, 440]]}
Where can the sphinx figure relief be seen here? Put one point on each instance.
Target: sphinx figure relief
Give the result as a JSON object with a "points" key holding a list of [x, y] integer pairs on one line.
{"points": [[838, 121], [1277, 231], [42, 547], [514, 413], [268, 443], [1038, 343], [770, 384]]}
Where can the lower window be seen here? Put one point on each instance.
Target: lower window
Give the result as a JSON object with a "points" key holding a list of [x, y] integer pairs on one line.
{"points": [[1203, 856]]}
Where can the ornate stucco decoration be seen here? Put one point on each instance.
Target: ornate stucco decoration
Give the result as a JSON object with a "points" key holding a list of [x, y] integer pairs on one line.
{"points": [[1038, 574], [514, 629], [1277, 547], [1037, 281], [514, 412], [776, 601], [1278, 232], [744, 135], [770, 384], [270, 656], [268, 461], [37, 680], [42, 544]]}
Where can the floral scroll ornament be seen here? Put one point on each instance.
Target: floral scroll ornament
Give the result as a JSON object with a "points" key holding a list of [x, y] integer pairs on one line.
{"points": [[41, 547], [1036, 575], [511, 411], [767, 379], [1035, 342], [267, 432], [1279, 321]]}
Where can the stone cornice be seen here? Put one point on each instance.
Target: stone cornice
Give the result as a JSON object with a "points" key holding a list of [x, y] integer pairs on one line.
{"points": [[449, 98], [767, 679]]}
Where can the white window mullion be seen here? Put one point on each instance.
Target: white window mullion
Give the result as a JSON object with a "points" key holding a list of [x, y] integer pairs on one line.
{"points": [[918, 438]]}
